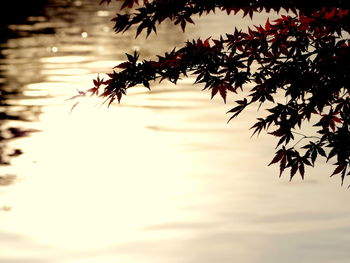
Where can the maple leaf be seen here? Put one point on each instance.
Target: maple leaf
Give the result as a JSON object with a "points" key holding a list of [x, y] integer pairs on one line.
{"points": [[279, 132], [259, 126], [222, 87], [278, 157], [330, 15], [98, 82], [242, 104], [341, 168]]}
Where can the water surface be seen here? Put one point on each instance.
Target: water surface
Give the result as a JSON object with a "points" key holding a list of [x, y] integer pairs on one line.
{"points": [[159, 178]]}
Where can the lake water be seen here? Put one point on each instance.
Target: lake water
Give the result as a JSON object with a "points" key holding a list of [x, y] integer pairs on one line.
{"points": [[160, 178]]}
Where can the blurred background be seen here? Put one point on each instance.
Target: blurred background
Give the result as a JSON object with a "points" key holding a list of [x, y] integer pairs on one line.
{"points": [[160, 177]]}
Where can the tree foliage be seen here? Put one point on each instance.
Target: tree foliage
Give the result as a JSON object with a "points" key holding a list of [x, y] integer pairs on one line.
{"points": [[302, 57]]}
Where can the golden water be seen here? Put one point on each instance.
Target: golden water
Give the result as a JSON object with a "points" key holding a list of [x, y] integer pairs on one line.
{"points": [[159, 178]]}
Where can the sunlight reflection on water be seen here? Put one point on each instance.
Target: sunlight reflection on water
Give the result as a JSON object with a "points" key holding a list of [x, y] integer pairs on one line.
{"points": [[159, 178]]}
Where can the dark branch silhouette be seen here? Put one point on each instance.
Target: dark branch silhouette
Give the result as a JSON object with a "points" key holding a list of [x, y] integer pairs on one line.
{"points": [[303, 57]]}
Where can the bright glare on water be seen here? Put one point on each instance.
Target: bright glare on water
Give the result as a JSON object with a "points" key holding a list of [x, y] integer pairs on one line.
{"points": [[159, 178]]}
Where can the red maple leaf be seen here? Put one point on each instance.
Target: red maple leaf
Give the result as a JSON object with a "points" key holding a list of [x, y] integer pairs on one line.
{"points": [[222, 88]]}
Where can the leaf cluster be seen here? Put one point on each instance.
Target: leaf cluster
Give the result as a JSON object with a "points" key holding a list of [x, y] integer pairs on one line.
{"points": [[302, 57]]}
